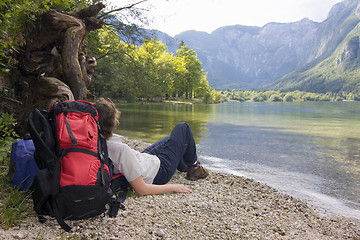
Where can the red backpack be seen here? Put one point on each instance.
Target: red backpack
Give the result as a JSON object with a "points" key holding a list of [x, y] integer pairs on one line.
{"points": [[75, 176]]}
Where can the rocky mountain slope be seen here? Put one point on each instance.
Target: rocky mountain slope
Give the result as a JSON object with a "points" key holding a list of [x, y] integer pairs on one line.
{"points": [[277, 55], [338, 69]]}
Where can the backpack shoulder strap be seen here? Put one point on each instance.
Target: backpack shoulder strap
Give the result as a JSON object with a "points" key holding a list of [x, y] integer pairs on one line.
{"points": [[55, 209], [42, 134], [120, 187]]}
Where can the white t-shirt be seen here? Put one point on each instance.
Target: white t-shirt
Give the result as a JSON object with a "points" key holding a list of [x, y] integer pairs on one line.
{"points": [[131, 163]]}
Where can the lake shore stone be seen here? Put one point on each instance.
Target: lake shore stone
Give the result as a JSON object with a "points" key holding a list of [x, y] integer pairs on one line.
{"points": [[222, 206]]}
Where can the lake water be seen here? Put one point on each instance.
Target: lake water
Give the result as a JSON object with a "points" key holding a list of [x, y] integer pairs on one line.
{"points": [[310, 150]]}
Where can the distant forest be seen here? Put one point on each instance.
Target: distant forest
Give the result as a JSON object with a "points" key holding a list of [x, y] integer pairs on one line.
{"points": [[281, 96]]}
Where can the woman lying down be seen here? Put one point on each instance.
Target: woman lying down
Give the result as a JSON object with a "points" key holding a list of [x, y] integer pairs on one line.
{"points": [[149, 172]]}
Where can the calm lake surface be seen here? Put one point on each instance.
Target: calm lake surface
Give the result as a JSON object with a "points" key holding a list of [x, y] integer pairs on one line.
{"points": [[310, 150]]}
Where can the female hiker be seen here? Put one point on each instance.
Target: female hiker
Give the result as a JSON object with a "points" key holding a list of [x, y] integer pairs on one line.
{"points": [[148, 172]]}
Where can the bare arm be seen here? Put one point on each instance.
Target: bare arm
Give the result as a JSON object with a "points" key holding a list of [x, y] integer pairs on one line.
{"points": [[143, 188]]}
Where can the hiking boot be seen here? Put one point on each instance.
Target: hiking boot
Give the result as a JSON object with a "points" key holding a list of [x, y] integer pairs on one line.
{"points": [[196, 172]]}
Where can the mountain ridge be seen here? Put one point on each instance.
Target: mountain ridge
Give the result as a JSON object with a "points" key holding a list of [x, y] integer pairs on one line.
{"points": [[250, 57], [336, 72]]}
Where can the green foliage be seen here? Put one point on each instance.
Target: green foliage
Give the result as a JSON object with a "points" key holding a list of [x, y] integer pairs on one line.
{"points": [[213, 97], [17, 16], [124, 71], [281, 96], [289, 97], [190, 79], [146, 72], [275, 98], [7, 137], [14, 203]]}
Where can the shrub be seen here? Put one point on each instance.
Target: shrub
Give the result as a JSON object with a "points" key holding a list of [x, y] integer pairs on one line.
{"points": [[7, 137], [14, 203], [275, 98], [289, 97]]}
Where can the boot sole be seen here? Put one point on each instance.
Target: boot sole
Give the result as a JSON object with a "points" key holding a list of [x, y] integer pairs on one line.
{"points": [[194, 178]]}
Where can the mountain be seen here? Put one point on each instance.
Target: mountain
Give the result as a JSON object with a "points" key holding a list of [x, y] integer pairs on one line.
{"points": [[279, 55], [338, 68]]}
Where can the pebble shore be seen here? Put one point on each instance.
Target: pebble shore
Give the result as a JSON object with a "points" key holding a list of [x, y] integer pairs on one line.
{"points": [[222, 206]]}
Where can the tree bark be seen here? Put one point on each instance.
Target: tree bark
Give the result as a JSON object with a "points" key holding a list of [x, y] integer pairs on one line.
{"points": [[55, 66], [74, 35]]}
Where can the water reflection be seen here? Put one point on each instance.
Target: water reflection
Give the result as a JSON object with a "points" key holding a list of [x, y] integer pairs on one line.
{"points": [[151, 122], [300, 148]]}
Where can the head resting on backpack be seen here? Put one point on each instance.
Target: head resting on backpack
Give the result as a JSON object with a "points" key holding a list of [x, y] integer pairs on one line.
{"points": [[108, 116]]}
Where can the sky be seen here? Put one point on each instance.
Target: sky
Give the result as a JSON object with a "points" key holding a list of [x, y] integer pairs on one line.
{"points": [[176, 16]]}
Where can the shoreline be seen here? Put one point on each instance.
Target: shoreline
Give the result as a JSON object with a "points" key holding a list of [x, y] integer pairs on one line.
{"points": [[222, 206], [326, 206]]}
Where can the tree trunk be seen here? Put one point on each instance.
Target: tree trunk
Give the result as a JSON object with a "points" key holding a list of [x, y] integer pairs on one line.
{"points": [[55, 66], [72, 70]]}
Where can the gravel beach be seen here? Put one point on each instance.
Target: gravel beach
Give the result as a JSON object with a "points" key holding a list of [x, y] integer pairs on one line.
{"points": [[222, 206]]}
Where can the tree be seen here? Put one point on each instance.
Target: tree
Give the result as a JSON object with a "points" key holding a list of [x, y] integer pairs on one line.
{"points": [[48, 61], [54, 64], [151, 56], [289, 97], [112, 58], [192, 77], [18, 20]]}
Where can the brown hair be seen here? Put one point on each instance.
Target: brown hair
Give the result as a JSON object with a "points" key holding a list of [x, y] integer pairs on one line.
{"points": [[108, 116]]}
